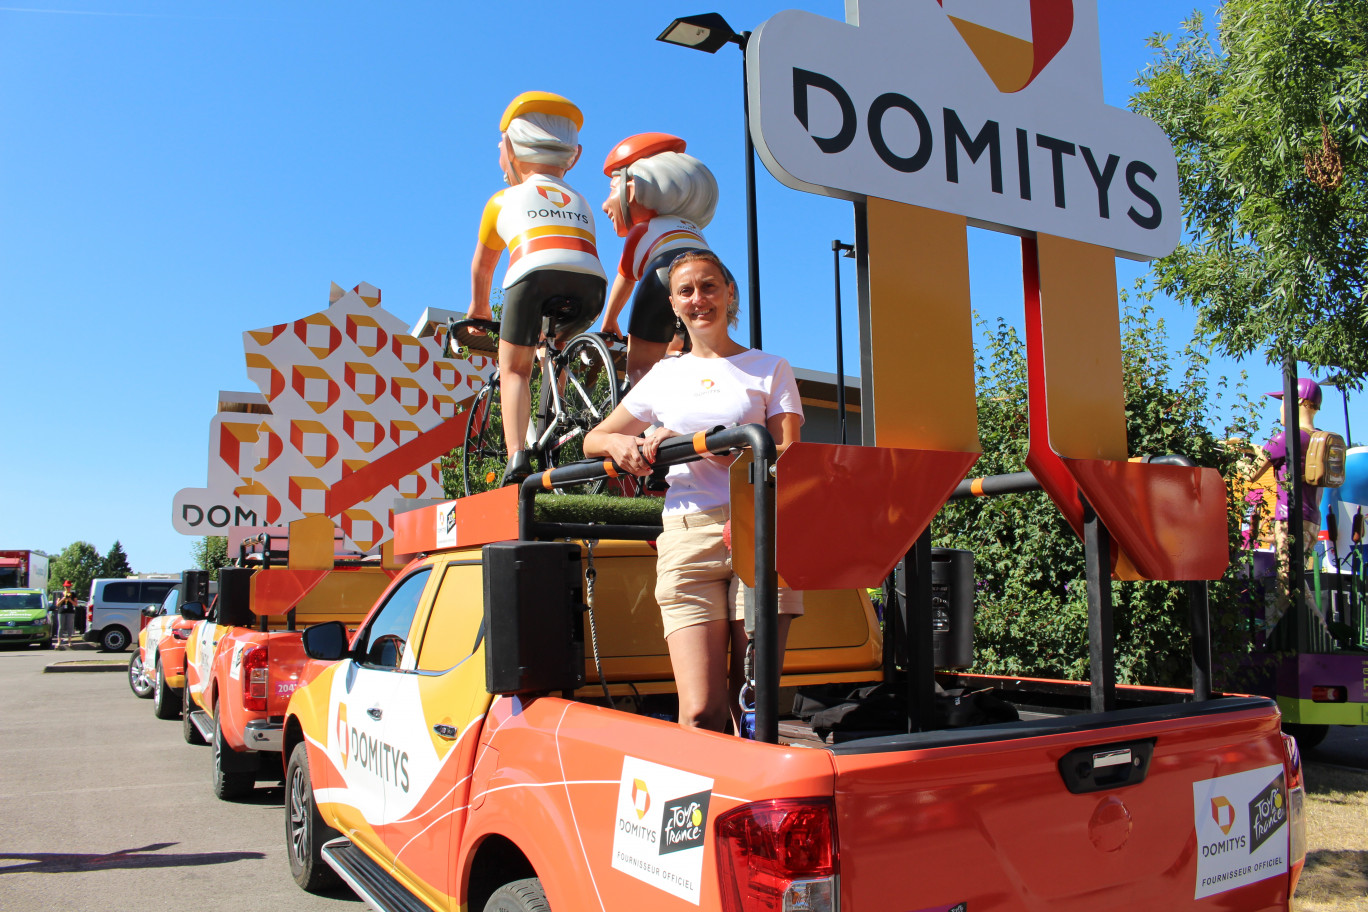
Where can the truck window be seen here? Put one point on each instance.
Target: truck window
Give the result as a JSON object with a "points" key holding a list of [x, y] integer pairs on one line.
{"points": [[384, 640], [454, 622], [121, 592], [154, 593]]}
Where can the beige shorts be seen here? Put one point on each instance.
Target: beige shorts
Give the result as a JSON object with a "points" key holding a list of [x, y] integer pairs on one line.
{"points": [[694, 578]]}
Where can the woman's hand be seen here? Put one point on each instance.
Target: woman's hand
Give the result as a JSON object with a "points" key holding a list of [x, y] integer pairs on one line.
{"points": [[626, 452], [651, 445]]}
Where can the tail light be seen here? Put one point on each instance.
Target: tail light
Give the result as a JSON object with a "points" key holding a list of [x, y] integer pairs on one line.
{"points": [[779, 856], [1324, 693], [1296, 811], [90, 614], [255, 677]]}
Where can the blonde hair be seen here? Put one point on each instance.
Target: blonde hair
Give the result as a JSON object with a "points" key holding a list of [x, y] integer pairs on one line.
{"points": [[707, 256]]}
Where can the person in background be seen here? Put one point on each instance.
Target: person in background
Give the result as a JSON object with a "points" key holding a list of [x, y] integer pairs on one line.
{"points": [[1274, 454], [719, 382], [548, 229], [66, 616]]}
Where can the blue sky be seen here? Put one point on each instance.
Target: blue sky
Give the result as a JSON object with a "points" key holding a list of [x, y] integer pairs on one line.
{"points": [[173, 173]]}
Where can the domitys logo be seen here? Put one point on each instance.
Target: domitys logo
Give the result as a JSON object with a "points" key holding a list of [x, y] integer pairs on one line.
{"points": [[1223, 812], [343, 738], [641, 798], [554, 195], [1015, 40]]}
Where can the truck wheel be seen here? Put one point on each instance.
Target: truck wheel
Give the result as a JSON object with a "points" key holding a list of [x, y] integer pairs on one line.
{"points": [[1308, 736], [519, 896], [137, 678], [114, 639], [165, 704], [229, 785], [188, 730], [305, 831]]}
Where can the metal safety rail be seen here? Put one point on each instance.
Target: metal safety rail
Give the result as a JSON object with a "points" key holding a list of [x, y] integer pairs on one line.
{"points": [[675, 451]]}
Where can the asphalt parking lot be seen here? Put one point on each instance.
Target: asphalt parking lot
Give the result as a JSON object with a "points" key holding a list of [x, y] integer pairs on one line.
{"points": [[105, 807]]}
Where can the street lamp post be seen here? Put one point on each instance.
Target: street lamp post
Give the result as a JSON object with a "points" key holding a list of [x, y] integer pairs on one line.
{"points": [[708, 32], [837, 248]]}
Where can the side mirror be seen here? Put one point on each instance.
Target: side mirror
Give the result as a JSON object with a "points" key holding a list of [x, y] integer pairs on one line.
{"points": [[151, 611], [192, 611], [326, 641]]}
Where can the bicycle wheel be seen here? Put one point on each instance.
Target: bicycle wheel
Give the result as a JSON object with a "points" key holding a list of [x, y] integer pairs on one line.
{"points": [[483, 455], [589, 393]]}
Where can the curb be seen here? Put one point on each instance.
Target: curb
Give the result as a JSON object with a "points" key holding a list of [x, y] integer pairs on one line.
{"points": [[81, 665]]}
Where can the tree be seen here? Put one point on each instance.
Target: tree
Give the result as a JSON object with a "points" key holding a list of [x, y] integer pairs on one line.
{"points": [[210, 553], [115, 563], [1031, 601], [78, 563], [1271, 135]]}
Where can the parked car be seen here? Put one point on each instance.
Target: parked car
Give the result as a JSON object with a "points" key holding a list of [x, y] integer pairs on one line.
{"points": [[25, 618], [114, 609]]}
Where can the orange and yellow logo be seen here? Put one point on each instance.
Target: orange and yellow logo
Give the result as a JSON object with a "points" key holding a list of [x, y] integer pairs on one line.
{"points": [[343, 736], [1223, 812], [641, 798], [1013, 53], [554, 195]]}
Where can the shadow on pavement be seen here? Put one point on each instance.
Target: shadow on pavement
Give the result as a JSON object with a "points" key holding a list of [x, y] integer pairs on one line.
{"points": [[65, 863]]}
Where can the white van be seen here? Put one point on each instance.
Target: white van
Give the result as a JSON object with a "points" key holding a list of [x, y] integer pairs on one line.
{"points": [[114, 609]]}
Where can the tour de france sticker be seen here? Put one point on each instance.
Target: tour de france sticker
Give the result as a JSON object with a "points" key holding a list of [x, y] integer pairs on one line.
{"points": [[1242, 831], [661, 826]]}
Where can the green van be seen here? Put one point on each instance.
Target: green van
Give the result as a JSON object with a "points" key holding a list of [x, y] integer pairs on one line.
{"points": [[25, 617]]}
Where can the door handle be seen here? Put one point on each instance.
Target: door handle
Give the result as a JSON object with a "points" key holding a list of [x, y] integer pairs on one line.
{"points": [[375, 712], [445, 731]]}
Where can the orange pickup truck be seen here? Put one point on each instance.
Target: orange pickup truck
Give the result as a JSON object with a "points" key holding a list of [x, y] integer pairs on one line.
{"points": [[243, 656], [470, 747]]}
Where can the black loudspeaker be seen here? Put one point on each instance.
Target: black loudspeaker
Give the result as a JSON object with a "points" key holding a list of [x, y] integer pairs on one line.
{"points": [[195, 587], [534, 617], [952, 607], [235, 597]]}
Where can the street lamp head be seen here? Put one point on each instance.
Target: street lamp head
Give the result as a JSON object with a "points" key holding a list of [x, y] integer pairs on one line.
{"points": [[704, 32]]}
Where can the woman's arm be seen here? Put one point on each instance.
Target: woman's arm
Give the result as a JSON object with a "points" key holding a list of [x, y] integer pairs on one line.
{"points": [[785, 428], [616, 437]]}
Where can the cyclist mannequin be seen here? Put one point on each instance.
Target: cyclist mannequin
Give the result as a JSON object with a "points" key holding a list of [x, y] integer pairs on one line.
{"points": [[549, 231], [660, 200]]}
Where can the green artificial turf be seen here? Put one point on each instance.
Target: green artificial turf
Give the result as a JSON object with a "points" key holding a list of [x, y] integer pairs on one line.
{"points": [[600, 508]]}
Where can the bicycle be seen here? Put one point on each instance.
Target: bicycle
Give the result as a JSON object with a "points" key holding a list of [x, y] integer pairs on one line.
{"points": [[573, 388]]}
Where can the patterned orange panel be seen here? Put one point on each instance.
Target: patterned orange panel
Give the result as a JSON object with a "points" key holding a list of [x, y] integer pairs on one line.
{"points": [[318, 334], [363, 429], [363, 380], [236, 441], [307, 494], [263, 373], [269, 335], [270, 446], [362, 528], [366, 333], [410, 396], [1170, 521], [444, 406], [315, 387], [314, 443], [446, 374], [409, 351]]}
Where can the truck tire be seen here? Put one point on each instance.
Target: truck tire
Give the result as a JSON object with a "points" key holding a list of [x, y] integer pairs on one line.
{"points": [[114, 639], [137, 678], [165, 700], [519, 896], [305, 831], [1308, 736], [188, 730], [229, 784]]}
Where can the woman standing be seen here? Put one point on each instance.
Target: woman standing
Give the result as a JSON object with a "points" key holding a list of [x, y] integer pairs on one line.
{"points": [[720, 382]]}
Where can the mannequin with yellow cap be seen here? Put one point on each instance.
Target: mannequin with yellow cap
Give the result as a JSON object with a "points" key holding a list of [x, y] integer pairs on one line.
{"points": [[660, 199], [548, 230]]}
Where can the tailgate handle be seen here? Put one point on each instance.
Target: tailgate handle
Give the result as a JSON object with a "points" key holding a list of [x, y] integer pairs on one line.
{"points": [[1106, 766], [375, 712]]}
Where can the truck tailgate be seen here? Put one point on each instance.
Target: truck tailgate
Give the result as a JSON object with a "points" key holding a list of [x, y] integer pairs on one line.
{"points": [[984, 816]]}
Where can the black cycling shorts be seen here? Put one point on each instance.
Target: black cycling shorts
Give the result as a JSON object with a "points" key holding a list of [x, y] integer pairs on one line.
{"points": [[576, 298], [652, 317]]}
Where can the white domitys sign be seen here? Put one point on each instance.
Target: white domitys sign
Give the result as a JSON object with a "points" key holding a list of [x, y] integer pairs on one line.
{"points": [[990, 109]]}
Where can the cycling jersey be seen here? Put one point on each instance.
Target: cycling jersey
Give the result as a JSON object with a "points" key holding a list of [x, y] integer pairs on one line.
{"points": [[545, 225], [647, 241]]}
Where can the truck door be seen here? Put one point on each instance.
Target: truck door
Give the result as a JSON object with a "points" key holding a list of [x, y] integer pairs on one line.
{"points": [[363, 700]]}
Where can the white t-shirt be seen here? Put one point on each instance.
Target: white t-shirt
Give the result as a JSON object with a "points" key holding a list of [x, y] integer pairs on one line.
{"points": [[690, 394]]}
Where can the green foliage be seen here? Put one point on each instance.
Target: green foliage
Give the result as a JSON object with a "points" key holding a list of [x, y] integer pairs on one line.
{"points": [[1271, 134], [79, 563], [115, 563], [1031, 600], [210, 553]]}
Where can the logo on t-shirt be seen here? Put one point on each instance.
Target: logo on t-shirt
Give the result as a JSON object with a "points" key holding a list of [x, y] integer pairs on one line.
{"points": [[554, 195], [707, 384]]}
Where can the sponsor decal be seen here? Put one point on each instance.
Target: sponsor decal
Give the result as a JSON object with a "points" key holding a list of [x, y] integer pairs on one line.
{"points": [[665, 851], [1239, 821], [362, 750], [554, 195], [343, 742], [446, 525], [707, 384]]}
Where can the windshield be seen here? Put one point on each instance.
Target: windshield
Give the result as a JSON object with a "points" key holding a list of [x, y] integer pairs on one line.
{"points": [[12, 600]]}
